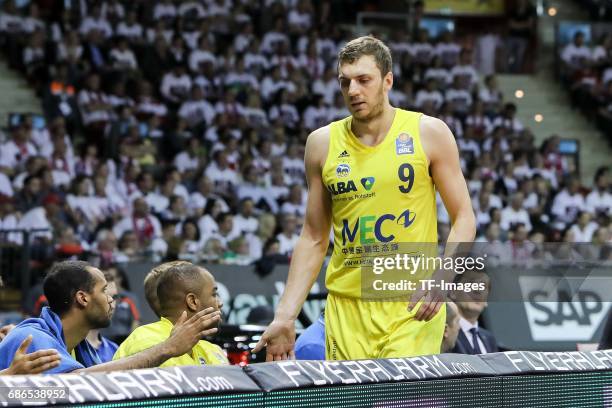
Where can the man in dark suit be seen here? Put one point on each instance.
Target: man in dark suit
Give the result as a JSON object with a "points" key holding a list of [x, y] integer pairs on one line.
{"points": [[473, 339]]}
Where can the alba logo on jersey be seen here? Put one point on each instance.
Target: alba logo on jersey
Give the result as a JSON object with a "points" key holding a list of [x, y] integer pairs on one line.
{"points": [[371, 224], [343, 187]]}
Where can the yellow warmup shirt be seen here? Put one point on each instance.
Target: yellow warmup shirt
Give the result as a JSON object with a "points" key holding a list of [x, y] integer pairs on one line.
{"points": [[382, 197], [147, 336]]}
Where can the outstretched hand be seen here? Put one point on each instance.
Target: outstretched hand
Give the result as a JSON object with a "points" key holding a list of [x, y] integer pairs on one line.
{"points": [[187, 332], [33, 363], [279, 341]]}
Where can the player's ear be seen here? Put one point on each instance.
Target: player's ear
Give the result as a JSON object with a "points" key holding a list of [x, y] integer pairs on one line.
{"points": [[192, 302], [388, 81], [81, 298]]}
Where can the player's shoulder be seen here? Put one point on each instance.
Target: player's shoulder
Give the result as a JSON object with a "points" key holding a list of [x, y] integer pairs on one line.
{"points": [[320, 135], [432, 125], [436, 137], [317, 144]]}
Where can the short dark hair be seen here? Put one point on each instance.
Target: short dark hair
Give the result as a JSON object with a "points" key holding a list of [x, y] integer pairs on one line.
{"points": [[151, 281], [175, 282], [63, 281], [367, 45]]}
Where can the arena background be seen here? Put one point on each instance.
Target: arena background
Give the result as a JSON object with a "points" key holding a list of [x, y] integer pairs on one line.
{"points": [[175, 119]]}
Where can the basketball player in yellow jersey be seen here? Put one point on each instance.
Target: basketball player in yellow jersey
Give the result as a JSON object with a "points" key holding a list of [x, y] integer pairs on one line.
{"points": [[373, 177]]}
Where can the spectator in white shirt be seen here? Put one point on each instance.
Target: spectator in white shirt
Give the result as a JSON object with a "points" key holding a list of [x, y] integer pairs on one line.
{"points": [[515, 214], [460, 98], [32, 21], [447, 49], [490, 96], [288, 237], [300, 18], [253, 112], [164, 10], [225, 232], [274, 37], [429, 95], [508, 120], [465, 70], [142, 223], [599, 201], [327, 86], [296, 204], [245, 221], [95, 109], [130, 28], [285, 110], [576, 55], [192, 9], [96, 22], [240, 79], [584, 228], [15, 152], [439, 73], [123, 57], [176, 85], [225, 178], [8, 220], [204, 54], [10, 20], [315, 115], [568, 202], [42, 218], [191, 159], [272, 84], [422, 49], [197, 110]]}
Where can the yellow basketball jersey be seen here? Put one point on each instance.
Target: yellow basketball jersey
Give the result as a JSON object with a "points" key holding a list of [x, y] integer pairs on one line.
{"points": [[382, 196]]}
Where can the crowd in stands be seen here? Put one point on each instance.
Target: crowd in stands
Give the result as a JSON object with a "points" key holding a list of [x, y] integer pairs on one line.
{"points": [[587, 71], [177, 129]]}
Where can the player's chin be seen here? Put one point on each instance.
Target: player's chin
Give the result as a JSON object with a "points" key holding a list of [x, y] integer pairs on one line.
{"points": [[360, 113]]}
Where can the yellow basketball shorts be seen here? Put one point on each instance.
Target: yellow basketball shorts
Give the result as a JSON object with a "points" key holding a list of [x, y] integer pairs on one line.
{"points": [[356, 329]]}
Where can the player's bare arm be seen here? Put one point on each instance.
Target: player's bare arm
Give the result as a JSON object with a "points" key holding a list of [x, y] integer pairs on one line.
{"points": [[308, 254], [441, 150]]}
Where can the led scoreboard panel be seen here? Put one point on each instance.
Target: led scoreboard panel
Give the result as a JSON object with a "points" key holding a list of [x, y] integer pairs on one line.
{"points": [[511, 379]]}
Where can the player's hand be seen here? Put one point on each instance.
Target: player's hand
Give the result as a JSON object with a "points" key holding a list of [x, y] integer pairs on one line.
{"points": [[279, 341], [187, 332], [4, 330], [33, 363], [433, 300]]}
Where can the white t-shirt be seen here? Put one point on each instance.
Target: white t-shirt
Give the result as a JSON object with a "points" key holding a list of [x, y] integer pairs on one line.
{"points": [[286, 244], [510, 217], [566, 206], [598, 202]]}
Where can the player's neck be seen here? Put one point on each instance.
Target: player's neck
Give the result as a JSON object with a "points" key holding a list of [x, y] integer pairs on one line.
{"points": [[75, 330], [93, 337], [373, 132]]}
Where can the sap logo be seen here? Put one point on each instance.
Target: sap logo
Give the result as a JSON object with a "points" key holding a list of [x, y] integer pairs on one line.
{"points": [[370, 224], [562, 309], [565, 309], [342, 187], [343, 170]]}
